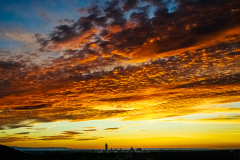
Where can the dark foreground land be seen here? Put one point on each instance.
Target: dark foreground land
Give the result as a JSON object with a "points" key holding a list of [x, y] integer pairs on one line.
{"points": [[12, 154]]}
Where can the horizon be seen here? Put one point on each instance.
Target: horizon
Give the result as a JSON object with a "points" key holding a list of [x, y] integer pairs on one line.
{"points": [[62, 148], [143, 73], [23, 148]]}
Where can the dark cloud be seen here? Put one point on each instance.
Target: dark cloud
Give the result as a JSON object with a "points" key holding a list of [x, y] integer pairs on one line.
{"points": [[117, 15], [125, 98], [64, 33], [71, 52], [113, 11], [155, 2], [43, 42], [111, 4], [32, 107], [23, 133], [10, 65], [71, 133], [94, 8], [129, 4], [163, 24], [68, 21], [226, 80], [234, 53], [213, 2], [14, 126], [141, 16], [165, 29]]}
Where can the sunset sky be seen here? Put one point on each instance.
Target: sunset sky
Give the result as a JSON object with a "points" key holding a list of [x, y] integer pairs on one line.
{"points": [[141, 73]]}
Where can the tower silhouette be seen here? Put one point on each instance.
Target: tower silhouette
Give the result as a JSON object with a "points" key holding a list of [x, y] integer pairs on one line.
{"points": [[106, 148]]}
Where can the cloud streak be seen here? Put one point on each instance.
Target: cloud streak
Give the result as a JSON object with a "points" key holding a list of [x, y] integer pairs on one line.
{"points": [[66, 135], [23, 133], [89, 130], [112, 128], [13, 139]]}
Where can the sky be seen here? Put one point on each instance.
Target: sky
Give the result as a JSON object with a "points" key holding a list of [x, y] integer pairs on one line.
{"points": [[141, 73]]}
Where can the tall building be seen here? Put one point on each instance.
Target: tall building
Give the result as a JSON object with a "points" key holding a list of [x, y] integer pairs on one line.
{"points": [[106, 148], [131, 150]]}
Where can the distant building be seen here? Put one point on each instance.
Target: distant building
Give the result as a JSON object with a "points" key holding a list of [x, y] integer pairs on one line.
{"points": [[106, 148], [139, 150], [131, 150]]}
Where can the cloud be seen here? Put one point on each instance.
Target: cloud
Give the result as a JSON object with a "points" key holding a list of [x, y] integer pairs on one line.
{"points": [[32, 107], [118, 61], [72, 133], [129, 4], [164, 78], [156, 2], [10, 65], [88, 139], [90, 130], [14, 126], [43, 42], [68, 21], [221, 119], [231, 79], [66, 135], [40, 129], [17, 34], [13, 139], [58, 137], [23, 133], [112, 128]]}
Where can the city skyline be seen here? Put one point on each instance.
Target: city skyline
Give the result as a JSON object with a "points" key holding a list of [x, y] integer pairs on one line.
{"points": [[142, 73]]}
